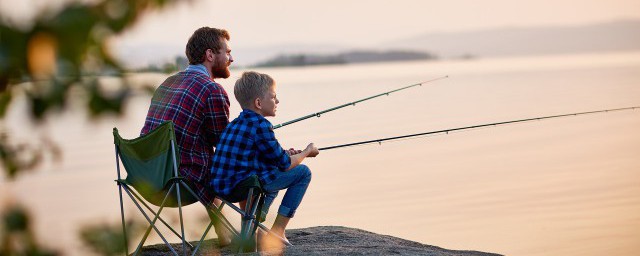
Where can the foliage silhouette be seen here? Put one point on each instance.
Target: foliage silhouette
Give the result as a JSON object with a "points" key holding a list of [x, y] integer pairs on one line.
{"points": [[59, 53]]}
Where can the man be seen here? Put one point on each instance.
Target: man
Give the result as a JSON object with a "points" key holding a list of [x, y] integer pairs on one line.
{"points": [[198, 106]]}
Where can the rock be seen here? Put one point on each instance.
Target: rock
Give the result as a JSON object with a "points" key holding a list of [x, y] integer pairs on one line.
{"points": [[331, 240]]}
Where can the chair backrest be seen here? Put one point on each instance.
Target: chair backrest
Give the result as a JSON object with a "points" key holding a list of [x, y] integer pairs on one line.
{"points": [[151, 162]]}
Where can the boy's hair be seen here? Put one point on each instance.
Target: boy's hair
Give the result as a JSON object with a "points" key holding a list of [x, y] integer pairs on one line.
{"points": [[202, 39], [250, 86]]}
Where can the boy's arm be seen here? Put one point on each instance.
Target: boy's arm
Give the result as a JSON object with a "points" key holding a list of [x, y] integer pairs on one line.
{"points": [[310, 151], [270, 150]]}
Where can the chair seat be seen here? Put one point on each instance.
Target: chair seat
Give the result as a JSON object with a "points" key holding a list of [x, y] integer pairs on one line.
{"points": [[156, 197], [240, 191]]}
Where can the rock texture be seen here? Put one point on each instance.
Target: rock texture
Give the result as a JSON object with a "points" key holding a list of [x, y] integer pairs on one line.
{"points": [[330, 240]]}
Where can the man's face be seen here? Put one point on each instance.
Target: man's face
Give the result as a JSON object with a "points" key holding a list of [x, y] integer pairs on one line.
{"points": [[222, 61]]}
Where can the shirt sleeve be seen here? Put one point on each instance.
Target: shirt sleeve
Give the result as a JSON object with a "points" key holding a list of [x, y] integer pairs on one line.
{"points": [[269, 149], [217, 115]]}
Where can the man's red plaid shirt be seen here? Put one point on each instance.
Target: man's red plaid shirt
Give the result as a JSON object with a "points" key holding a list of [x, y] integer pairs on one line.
{"points": [[199, 108]]}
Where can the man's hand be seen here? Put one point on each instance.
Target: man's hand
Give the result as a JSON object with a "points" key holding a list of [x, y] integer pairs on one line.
{"points": [[311, 150]]}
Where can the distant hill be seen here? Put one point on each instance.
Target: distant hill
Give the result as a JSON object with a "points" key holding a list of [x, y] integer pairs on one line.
{"points": [[611, 36], [343, 58]]}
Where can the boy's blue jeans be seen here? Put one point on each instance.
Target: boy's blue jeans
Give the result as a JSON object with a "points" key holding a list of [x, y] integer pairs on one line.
{"points": [[296, 182]]}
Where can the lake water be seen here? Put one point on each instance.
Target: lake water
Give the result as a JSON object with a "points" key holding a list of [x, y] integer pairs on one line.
{"points": [[566, 186]]}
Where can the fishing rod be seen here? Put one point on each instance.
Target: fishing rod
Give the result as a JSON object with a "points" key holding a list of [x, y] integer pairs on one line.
{"points": [[317, 114], [447, 131]]}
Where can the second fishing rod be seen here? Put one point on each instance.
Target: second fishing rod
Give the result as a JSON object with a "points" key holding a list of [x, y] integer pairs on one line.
{"points": [[447, 131], [353, 103]]}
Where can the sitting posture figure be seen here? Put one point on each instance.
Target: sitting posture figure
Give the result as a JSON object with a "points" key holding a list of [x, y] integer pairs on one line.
{"points": [[248, 147]]}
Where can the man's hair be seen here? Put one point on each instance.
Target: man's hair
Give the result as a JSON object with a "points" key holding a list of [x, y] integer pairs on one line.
{"points": [[202, 39], [250, 86]]}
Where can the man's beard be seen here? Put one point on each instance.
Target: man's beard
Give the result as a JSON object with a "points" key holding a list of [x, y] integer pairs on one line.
{"points": [[220, 71]]}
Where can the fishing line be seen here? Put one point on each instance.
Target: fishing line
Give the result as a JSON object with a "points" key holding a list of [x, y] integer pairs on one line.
{"points": [[318, 114], [447, 131]]}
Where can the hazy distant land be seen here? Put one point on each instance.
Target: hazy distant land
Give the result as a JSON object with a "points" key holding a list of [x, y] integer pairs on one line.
{"points": [[287, 60], [343, 58]]}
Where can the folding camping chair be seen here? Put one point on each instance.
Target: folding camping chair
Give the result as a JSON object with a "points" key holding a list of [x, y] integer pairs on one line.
{"points": [[151, 162]]}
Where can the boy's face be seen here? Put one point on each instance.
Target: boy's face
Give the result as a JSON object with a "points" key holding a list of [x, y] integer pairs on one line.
{"points": [[269, 102]]}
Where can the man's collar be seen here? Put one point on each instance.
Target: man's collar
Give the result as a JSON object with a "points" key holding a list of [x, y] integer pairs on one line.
{"points": [[199, 68]]}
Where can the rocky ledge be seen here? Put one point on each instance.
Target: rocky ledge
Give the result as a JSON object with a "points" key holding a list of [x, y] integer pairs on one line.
{"points": [[330, 240]]}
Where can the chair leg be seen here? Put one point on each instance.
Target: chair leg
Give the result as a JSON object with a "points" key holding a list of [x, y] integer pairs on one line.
{"points": [[217, 212], [184, 247], [247, 218], [252, 215], [152, 223], [235, 208], [260, 225], [156, 217], [214, 213], [124, 227], [257, 213], [159, 218], [195, 250]]}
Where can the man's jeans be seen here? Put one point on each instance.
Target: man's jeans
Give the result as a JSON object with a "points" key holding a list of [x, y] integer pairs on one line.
{"points": [[296, 182]]}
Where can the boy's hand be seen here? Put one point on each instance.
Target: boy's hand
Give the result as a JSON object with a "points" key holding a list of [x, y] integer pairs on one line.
{"points": [[312, 150], [293, 151]]}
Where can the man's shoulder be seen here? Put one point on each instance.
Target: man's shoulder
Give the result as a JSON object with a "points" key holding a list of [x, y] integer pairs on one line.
{"points": [[194, 82], [202, 80]]}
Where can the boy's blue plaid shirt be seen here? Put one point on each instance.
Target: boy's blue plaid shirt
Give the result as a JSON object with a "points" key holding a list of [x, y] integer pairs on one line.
{"points": [[247, 146]]}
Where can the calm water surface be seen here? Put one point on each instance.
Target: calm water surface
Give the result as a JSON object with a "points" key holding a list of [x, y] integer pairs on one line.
{"points": [[568, 186]]}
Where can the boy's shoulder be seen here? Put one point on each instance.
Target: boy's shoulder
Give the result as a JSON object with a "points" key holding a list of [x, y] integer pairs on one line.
{"points": [[252, 119]]}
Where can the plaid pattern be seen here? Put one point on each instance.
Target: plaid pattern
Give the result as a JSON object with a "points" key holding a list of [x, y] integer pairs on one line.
{"points": [[248, 146], [199, 108]]}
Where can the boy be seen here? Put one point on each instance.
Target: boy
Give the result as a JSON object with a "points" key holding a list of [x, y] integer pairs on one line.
{"points": [[248, 146]]}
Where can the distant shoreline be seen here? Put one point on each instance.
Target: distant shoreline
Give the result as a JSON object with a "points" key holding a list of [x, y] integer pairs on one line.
{"points": [[356, 56]]}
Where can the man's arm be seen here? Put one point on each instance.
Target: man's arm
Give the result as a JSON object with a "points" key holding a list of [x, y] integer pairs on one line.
{"points": [[216, 115]]}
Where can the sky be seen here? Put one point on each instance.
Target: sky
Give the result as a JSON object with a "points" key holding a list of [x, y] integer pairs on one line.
{"points": [[257, 23]]}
